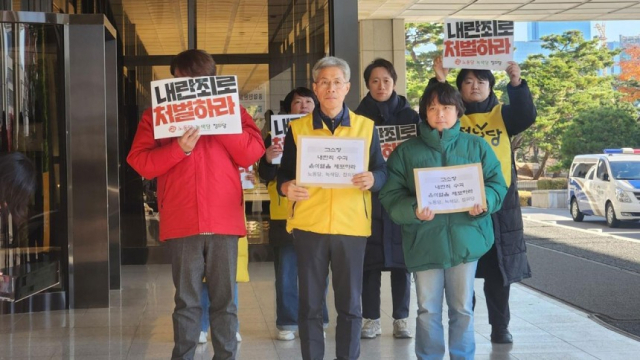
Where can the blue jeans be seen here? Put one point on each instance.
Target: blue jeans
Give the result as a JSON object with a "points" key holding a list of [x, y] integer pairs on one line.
{"points": [[456, 284], [286, 269], [204, 303]]}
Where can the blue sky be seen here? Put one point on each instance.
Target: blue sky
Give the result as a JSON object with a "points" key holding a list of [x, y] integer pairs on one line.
{"points": [[613, 29]]}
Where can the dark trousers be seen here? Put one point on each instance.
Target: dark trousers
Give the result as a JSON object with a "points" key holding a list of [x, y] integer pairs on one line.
{"points": [[496, 294], [192, 258], [345, 255], [400, 293], [286, 269]]}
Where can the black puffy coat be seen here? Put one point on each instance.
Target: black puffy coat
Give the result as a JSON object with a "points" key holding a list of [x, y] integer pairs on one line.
{"points": [[509, 255], [384, 246]]}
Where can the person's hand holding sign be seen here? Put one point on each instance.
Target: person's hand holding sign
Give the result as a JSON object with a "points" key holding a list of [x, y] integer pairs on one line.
{"points": [[363, 181], [441, 72], [273, 152], [513, 70], [477, 210], [294, 192], [425, 214], [189, 139]]}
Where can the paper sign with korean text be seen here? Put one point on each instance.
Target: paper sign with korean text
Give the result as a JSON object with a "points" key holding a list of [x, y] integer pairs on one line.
{"points": [[329, 162], [210, 103], [478, 44], [450, 189], [279, 128], [245, 176], [393, 135]]}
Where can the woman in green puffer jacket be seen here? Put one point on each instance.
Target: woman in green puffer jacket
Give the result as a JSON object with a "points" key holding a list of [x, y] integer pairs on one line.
{"points": [[442, 249]]}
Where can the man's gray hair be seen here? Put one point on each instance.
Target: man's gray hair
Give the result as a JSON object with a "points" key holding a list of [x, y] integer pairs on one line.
{"points": [[331, 61]]}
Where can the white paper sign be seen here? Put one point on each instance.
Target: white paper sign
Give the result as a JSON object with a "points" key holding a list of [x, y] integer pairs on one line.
{"points": [[210, 103], [279, 128], [478, 44], [245, 177], [393, 135], [450, 189], [329, 162]]}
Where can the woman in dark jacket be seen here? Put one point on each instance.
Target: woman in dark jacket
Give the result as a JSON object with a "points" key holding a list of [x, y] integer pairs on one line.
{"points": [[506, 262], [384, 247]]}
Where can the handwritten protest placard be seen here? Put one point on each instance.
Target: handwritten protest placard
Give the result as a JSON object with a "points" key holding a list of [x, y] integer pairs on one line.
{"points": [[393, 135], [450, 189], [478, 44], [329, 162], [246, 175], [210, 103], [279, 128]]}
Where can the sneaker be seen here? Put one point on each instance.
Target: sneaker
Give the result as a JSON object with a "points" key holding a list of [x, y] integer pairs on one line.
{"points": [[370, 328], [203, 337], [286, 335], [238, 337], [401, 329]]}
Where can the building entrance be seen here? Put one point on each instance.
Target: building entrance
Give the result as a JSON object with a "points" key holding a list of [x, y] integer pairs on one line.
{"points": [[270, 45]]}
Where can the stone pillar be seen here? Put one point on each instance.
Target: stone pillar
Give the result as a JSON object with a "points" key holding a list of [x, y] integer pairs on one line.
{"points": [[383, 39]]}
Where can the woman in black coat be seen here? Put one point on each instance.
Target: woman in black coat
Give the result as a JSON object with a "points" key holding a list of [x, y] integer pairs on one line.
{"points": [[384, 247], [506, 262]]}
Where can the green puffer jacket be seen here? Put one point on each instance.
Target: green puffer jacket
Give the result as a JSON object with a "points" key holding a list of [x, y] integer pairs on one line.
{"points": [[449, 239]]}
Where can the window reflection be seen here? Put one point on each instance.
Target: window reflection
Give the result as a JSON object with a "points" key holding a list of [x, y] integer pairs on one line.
{"points": [[32, 99]]}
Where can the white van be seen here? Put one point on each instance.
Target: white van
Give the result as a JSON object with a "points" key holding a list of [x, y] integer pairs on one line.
{"points": [[606, 185]]}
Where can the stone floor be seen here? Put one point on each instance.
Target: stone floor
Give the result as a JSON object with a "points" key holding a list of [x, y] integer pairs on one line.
{"points": [[138, 326]]}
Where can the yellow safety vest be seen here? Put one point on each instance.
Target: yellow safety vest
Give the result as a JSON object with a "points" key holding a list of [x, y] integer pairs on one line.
{"points": [[337, 211], [490, 126], [278, 205]]}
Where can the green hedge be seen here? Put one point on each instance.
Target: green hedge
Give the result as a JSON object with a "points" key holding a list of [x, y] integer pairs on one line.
{"points": [[552, 184]]}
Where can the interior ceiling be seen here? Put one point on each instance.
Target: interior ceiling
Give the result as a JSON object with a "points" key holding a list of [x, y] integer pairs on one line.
{"points": [[223, 27], [241, 26], [516, 10]]}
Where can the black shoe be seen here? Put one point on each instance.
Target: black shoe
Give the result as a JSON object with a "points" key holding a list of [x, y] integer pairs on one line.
{"points": [[501, 335]]}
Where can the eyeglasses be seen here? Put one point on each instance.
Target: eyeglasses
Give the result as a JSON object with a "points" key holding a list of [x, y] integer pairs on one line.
{"points": [[338, 84]]}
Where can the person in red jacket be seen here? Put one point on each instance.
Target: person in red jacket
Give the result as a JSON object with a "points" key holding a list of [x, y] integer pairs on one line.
{"points": [[201, 213]]}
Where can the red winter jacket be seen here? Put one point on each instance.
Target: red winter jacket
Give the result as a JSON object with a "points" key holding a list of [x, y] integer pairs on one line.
{"points": [[199, 193]]}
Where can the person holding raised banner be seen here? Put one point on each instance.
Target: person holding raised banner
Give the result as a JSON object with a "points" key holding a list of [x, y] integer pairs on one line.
{"points": [[442, 247], [299, 101], [330, 206], [396, 122], [506, 262], [199, 192]]}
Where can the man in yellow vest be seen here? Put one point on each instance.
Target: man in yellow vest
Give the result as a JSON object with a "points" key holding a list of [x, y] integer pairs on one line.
{"points": [[299, 101], [330, 226]]}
